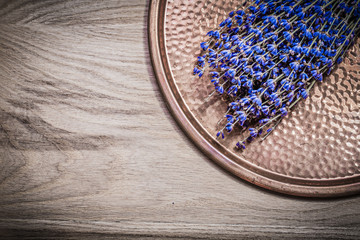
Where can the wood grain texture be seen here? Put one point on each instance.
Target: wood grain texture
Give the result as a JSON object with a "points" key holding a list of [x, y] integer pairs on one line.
{"points": [[88, 149]]}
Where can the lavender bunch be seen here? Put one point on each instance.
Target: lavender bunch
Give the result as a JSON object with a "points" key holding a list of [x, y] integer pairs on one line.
{"points": [[266, 58]]}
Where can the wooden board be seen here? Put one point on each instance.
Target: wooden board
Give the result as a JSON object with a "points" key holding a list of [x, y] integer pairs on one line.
{"points": [[88, 149]]}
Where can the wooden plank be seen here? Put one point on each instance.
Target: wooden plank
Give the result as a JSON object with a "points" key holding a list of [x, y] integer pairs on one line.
{"points": [[88, 148]]}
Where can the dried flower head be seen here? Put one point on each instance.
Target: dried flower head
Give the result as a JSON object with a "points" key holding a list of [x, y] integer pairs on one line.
{"points": [[266, 58]]}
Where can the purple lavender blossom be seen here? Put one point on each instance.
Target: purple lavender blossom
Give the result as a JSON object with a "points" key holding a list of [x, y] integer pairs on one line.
{"points": [[264, 59]]}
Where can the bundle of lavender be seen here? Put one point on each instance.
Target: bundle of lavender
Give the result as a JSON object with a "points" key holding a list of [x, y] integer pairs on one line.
{"points": [[266, 58]]}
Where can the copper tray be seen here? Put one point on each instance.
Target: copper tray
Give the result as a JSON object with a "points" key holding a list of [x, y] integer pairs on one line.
{"points": [[315, 150]]}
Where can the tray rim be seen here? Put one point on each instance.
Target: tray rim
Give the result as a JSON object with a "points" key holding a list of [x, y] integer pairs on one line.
{"points": [[209, 146]]}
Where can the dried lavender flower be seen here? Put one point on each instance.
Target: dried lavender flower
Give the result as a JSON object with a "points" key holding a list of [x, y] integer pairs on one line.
{"points": [[267, 57]]}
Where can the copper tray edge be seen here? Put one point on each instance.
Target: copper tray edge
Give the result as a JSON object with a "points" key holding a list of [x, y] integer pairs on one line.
{"points": [[160, 64]]}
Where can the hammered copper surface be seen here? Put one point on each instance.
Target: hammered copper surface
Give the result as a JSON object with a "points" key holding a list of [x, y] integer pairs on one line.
{"points": [[317, 144]]}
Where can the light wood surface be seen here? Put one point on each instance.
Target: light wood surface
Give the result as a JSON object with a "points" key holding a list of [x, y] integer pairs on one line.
{"points": [[88, 149]]}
